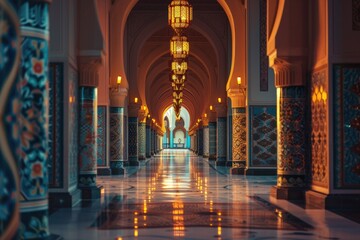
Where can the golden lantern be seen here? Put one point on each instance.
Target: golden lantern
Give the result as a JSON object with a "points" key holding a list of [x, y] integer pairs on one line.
{"points": [[179, 67], [179, 47], [180, 14]]}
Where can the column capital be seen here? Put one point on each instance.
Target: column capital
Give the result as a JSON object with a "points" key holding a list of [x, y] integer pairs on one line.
{"points": [[221, 110], [237, 96], [142, 115], [89, 70], [133, 109], [205, 121], [289, 70], [117, 96]]}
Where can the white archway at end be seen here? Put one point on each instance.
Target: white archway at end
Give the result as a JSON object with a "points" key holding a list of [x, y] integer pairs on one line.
{"points": [[184, 114]]}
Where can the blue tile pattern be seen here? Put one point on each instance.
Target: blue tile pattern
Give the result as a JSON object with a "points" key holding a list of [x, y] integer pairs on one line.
{"points": [[9, 122], [347, 126], [262, 127], [34, 180], [101, 136]]}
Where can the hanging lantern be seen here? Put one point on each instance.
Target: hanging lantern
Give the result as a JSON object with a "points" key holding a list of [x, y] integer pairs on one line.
{"points": [[180, 14], [179, 67], [179, 47]]}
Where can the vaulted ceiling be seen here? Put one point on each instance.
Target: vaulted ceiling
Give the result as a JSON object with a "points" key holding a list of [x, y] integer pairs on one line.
{"points": [[147, 38]]}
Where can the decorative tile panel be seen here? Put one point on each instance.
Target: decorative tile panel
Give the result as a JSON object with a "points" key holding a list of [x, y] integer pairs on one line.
{"points": [[263, 149], [9, 121], [101, 137], [319, 129], [142, 140], [206, 141], [87, 137], [133, 141], [221, 139], [73, 128], [212, 140], [56, 103], [239, 137], [34, 179], [347, 126], [291, 137]]}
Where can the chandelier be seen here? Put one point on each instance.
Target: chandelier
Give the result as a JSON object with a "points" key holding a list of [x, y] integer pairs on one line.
{"points": [[179, 67], [179, 47], [180, 15]]}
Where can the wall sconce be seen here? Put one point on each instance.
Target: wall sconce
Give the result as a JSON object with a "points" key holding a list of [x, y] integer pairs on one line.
{"points": [[219, 100], [153, 120], [148, 115], [136, 100], [144, 108], [239, 81], [118, 81], [205, 115], [211, 107]]}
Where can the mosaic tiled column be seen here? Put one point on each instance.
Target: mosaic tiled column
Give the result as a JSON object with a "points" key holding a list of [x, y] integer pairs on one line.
{"points": [[142, 140], [34, 25], [9, 121], [239, 139], [133, 141], [88, 83], [291, 142], [201, 141], [221, 131], [206, 141], [212, 140], [152, 141], [148, 141], [117, 140]]}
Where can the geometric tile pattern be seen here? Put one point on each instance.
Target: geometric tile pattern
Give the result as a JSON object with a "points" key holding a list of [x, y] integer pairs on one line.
{"points": [[264, 61], [347, 126], [148, 141], [9, 122], [263, 149], [87, 137], [356, 15], [133, 141], [319, 129], [206, 141], [101, 136], [212, 140], [239, 137], [200, 141], [291, 137], [73, 119], [221, 139], [55, 156], [142, 140], [116, 140], [34, 111]]}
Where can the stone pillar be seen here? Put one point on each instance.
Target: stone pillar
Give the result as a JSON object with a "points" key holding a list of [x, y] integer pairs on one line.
{"points": [[291, 128], [88, 83], [148, 139], [239, 145], [200, 141], [9, 128], [117, 138], [142, 140], [133, 134], [34, 26], [206, 141], [212, 135], [221, 134]]}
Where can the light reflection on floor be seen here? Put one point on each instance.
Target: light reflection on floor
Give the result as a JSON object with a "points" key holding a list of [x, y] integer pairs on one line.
{"points": [[179, 196]]}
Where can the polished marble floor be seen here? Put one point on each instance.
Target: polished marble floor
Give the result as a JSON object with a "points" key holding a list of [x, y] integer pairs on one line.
{"points": [[177, 195]]}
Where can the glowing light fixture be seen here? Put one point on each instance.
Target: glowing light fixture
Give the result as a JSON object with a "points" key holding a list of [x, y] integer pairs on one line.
{"points": [[136, 100], [239, 80], [211, 107], [219, 100], [179, 47], [180, 14], [179, 67]]}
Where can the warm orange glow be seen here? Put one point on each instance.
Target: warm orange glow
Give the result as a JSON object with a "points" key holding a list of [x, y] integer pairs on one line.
{"points": [[211, 107], [153, 120], [219, 100], [136, 100], [148, 115], [239, 80], [118, 81]]}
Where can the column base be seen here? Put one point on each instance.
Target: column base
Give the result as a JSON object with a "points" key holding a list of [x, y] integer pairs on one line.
{"points": [[142, 158], [91, 192], [205, 156], [104, 171], [133, 161], [221, 161], [260, 172], [237, 171], [288, 193], [64, 199], [212, 157], [318, 200], [117, 167]]}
